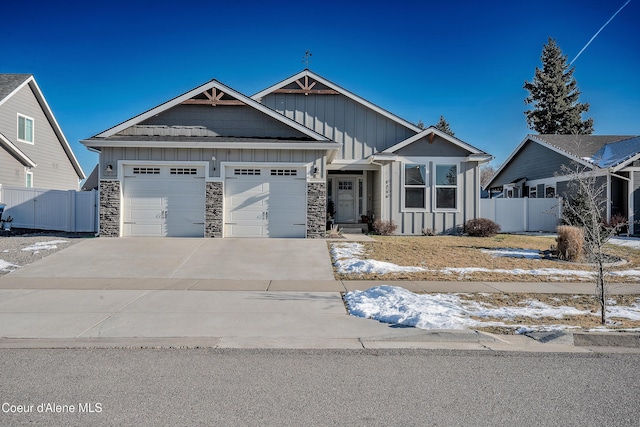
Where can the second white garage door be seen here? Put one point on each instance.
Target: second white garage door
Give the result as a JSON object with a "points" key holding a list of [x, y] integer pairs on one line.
{"points": [[163, 201], [265, 202]]}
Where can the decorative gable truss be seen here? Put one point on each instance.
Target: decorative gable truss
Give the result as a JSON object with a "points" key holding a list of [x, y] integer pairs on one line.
{"points": [[213, 97], [306, 87]]}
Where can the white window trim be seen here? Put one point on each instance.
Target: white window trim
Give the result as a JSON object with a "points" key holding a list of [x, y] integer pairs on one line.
{"points": [[427, 194], [457, 187], [28, 174], [33, 129], [533, 190], [555, 192]]}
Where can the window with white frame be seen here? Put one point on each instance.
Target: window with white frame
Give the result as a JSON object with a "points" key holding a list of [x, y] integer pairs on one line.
{"points": [[28, 179], [533, 192], [25, 129], [415, 186], [549, 191], [446, 186]]}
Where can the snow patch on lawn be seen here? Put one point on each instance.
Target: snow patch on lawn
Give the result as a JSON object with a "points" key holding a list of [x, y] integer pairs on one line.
{"points": [[630, 242], [347, 259], [44, 246], [395, 305], [513, 253], [7, 266]]}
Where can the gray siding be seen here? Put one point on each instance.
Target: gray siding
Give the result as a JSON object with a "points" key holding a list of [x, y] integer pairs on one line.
{"points": [[221, 120], [361, 131], [54, 169], [532, 162], [438, 148], [111, 155], [413, 223], [636, 202]]}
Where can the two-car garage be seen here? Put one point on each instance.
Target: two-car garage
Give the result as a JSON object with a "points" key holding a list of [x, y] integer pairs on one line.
{"points": [[167, 200]]}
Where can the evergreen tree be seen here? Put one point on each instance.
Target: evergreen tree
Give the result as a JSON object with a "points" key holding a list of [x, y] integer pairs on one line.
{"points": [[554, 94], [443, 125], [420, 124]]}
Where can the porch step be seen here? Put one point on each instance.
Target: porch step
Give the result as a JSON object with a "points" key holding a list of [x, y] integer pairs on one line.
{"points": [[359, 228]]}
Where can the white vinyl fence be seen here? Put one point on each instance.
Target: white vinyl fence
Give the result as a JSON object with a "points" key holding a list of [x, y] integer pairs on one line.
{"points": [[522, 214], [60, 210]]}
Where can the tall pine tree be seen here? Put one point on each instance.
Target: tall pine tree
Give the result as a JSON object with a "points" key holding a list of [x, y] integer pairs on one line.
{"points": [[443, 125], [554, 94]]}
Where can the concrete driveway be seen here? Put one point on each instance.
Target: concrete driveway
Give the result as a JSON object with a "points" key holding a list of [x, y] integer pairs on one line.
{"points": [[178, 258]]}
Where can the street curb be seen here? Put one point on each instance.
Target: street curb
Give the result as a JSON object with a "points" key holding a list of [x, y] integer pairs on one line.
{"points": [[606, 339]]}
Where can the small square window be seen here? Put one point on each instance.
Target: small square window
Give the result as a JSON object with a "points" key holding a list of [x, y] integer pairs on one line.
{"points": [[25, 129]]}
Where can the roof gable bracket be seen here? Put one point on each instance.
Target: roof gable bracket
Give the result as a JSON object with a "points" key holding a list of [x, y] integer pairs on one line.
{"points": [[214, 98], [306, 88]]}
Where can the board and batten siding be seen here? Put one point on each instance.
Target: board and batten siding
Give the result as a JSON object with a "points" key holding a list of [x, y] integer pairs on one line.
{"points": [[54, 169], [532, 162], [111, 155], [442, 222], [360, 130]]}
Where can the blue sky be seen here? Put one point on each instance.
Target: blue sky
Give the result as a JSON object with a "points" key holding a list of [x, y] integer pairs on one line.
{"points": [[105, 62]]}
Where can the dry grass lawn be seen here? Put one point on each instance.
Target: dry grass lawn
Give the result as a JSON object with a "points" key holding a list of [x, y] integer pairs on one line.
{"points": [[580, 302], [439, 252]]}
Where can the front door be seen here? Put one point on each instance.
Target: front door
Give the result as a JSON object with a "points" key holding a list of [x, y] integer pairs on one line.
{"points": [[346, 209]]}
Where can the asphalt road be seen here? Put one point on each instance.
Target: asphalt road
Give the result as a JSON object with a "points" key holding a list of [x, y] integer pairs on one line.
{"points": [[306, 388]]}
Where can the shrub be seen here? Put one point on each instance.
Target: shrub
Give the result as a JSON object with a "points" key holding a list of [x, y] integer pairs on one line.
{"points": [[570, 242], [428, 232], [619, 224], [481, 227], [384, 228]]}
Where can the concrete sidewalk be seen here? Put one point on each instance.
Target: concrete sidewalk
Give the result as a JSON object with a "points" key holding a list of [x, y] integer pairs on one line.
{"points": [[73, 312]]}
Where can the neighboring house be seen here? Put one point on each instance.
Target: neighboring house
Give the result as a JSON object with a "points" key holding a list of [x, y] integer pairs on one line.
{"points": [[34, 152], [213, 162], [535, 169]]}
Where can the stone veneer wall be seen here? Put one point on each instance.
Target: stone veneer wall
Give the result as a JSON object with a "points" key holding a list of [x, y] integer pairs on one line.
{"points": [[316, 210], [213, 210], [110, 208]]}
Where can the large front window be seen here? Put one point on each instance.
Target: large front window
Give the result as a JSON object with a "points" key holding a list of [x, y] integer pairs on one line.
{"points": [[446, 186], [415, 185]]}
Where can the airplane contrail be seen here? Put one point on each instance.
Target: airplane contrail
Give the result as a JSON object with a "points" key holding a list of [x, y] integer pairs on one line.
{"points": [[596, 34]]}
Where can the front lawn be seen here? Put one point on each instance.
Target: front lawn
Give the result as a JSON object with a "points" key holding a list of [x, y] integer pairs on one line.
{"points": [[504, 257]]}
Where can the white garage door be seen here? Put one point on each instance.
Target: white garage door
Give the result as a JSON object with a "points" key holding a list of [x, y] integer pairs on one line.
{"points": [[265, 202], [164, 201]]}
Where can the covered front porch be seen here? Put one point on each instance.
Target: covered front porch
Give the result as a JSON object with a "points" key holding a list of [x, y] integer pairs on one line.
{"points": [[353, 200]]}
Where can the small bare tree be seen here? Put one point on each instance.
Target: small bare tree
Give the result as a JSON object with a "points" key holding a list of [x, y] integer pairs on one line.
{"points": [[586, 208]]}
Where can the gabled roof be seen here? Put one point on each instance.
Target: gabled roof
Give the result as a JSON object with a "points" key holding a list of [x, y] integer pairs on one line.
{"points": [[15, 152], [10, 84], [617, 154], [340, 90], [196, 92], [432, 130], [578, 148]]}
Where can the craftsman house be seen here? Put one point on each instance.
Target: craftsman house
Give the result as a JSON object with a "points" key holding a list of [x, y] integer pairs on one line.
{"points": [[213, 162], [535, 169], [33, 150]]}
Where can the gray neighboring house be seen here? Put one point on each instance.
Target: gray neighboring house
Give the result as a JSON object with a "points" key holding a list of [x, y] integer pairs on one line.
{"points": [[34, 152], [534, 170], [213, 162]]}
